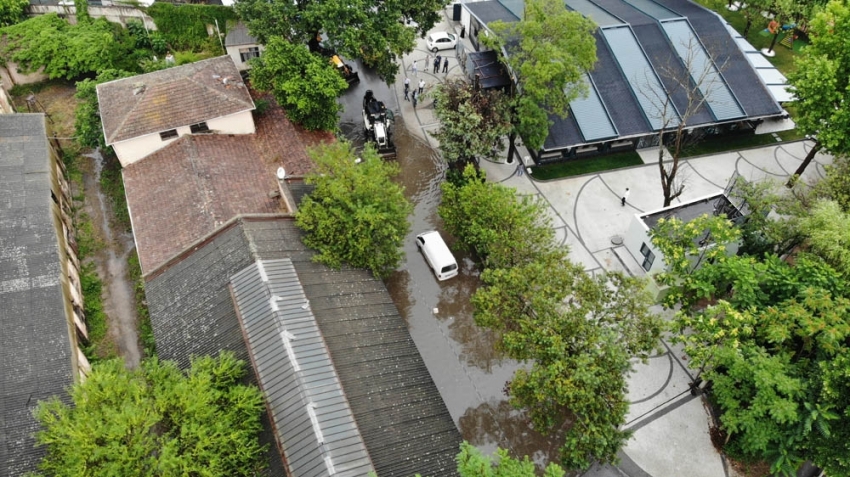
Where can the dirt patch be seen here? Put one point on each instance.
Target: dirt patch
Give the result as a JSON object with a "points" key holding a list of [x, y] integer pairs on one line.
{"points": [[741, 468], [56, 98]]}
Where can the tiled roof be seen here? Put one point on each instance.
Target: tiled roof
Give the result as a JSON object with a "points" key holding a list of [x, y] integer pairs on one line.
{"points": [[399, 411], [36, 355], [186, 190], [170, 98]]}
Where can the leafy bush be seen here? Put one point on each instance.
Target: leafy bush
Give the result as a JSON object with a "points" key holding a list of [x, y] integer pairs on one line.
{"points": [[184, 27]]}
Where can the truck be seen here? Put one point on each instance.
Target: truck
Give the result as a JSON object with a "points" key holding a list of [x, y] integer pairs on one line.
{"points": [[378, 122]]}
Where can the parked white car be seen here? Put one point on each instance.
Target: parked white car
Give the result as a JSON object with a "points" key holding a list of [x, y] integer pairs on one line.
{"points": [[441, 41], [437, 254]]}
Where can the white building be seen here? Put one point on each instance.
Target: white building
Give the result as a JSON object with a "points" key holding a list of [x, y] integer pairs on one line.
{"points": [[145, 113], [241, 46], [638, 240]]}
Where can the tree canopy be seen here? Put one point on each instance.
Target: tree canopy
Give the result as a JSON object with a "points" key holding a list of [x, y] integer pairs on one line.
{"points": [[304, 84], [155, 420], [371, 30], [356, 214], [577, 332], [821, 82], [472, 122], [68, 51], [12, 11], [771, 333], [549, 52]]}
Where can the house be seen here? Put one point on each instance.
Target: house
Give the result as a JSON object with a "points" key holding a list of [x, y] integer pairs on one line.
{"points": [[638, 239], [143, 114], [645, 48], [345, 386], [42, 308], [241, 46]]}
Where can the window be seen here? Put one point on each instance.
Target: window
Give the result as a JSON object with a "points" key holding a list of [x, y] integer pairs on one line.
{"points": [[648, 256], [246, 54], [199, 128], [166, 135]]}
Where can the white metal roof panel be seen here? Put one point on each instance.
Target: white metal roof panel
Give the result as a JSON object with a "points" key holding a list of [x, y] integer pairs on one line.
{"points": [[642, 78], [772, 76], [704, 72], [780, 93], [758, 60], [314, 423], [592, 116]]}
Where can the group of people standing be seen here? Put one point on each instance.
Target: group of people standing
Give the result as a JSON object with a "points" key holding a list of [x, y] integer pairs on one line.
{"points": [[416, 91], [415, 95]]}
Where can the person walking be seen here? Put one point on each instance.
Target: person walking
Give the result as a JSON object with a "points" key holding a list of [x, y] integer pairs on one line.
{"points": [[437, 62], [446, 65], [414, 99], [421, 86], [406, 88], [415, 69], [625, 197]]}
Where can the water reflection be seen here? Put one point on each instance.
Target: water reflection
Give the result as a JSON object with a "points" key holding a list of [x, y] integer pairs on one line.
{"points": [[497, 423]]}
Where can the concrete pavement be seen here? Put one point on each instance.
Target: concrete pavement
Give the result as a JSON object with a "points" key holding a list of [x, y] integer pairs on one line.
{"points": [[671, 427]]}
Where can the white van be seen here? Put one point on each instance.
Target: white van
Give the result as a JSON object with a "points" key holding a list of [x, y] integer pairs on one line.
{"points": [[437, 254]]}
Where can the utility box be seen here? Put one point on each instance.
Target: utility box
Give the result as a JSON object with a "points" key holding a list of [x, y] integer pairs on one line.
{"points": [[456, 12]]}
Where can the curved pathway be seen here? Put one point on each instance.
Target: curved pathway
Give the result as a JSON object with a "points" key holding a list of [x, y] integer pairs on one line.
{"points": [[671, 427]]}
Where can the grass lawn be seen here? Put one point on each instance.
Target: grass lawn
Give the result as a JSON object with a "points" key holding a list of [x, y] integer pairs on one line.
{"points": [[784, 59], [577, 167], [723, 144]]}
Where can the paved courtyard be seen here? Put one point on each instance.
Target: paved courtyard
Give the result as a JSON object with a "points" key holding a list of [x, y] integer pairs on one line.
{"points": [[671, 427]]}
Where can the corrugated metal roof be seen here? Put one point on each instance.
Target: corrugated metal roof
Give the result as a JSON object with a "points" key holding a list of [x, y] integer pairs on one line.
{"points": [[592, 117], [594, 12], [653, 9], [704, 72], [641, 76], [315, 426], [238, 36]]}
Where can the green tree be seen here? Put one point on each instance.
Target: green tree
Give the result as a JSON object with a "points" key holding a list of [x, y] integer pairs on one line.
{"points": [[356, 214], [155, 420], [304, 84], [577, 332], [371, 30], [87, 126], [491, 222], [471, 463], [821, 84], [548, 52], [12, 11], [472, 122], [68, 51]]}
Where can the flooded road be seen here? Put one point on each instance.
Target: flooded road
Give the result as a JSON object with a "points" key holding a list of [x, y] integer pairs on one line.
{"points": [[118, 300], [469, 372]]}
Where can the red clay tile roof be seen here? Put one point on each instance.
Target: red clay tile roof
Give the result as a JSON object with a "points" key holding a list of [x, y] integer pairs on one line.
{"points": [[185, 191], [170, 98]]}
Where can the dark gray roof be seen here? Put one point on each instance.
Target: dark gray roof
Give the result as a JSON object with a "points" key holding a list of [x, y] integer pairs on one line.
{"points": [[710, 205], [36, 358], [491, 11], [314, 424], [618, 52], [238, 36], [401, 415]]}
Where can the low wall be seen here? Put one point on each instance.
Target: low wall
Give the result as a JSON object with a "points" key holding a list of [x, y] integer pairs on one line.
{"points": [[113, 13], [11, 76]]}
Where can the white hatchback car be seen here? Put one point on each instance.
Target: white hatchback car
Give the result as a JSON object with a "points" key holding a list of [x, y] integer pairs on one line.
{"points": [[441, 41]]}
